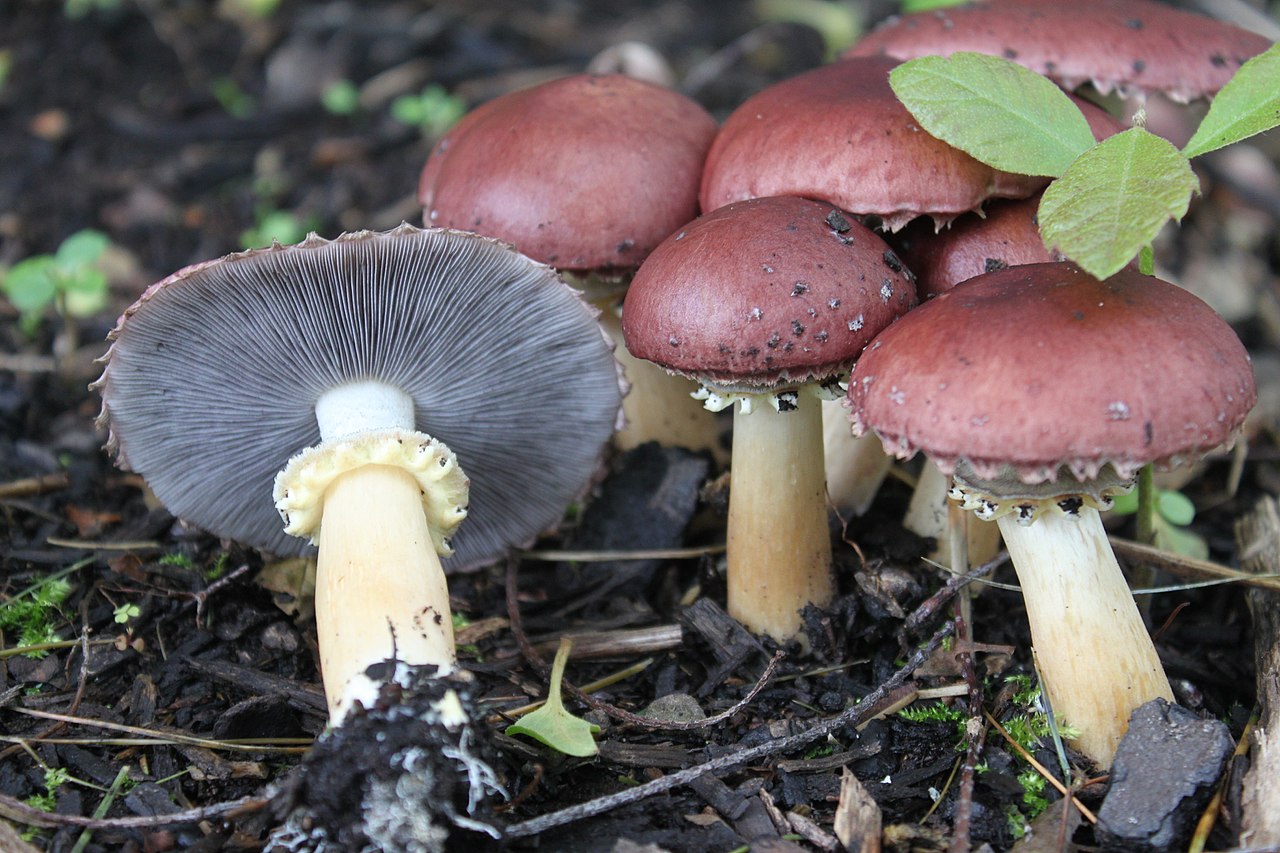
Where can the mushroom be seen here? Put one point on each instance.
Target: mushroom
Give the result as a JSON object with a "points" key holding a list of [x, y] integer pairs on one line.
{"points": [[329, 375], [1134, 47], [586, 173], [1044, 391], [766, 303]]}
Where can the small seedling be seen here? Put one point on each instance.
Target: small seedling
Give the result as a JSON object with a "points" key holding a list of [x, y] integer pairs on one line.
{"points": [[235, 100], [71, 280], [552, 724], [432, 111], [34, 612], [275, 226], [340, 98], [1109, 199], [124, 612], [76, 9], [1173, 512]]}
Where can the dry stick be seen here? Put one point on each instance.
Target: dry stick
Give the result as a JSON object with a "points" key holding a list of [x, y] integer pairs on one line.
{"points": [[932, 606], [531, 654], [19, 812], [853, 716], [976, 732]]}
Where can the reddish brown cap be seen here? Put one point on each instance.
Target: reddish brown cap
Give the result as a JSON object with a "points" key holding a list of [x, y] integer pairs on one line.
{"points": [[1133, 46], [839, 134], [1007, 236], [1040, 367], [584, 172], [764, 294]]}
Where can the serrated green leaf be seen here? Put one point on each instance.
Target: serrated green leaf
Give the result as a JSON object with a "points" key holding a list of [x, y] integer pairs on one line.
{"points": [[1114, 198], [552, 724], [1249, 104], [82, 248], [1007, 116], [30, 284], [1176, 507]]}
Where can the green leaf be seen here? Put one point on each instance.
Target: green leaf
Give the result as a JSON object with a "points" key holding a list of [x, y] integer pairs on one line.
{"points": [[1247, 105], [912, 6], [30, 284], [1180, 541], [994, 110], [82, 248], [1114, 198], [1176, 507], [552, 724]]}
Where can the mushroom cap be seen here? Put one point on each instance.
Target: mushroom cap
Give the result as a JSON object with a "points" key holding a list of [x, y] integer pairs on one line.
{"points": [[583, 173], [763, 295], [1006, 235], [1132, 46], [212, 376], [839, 134], [1040, 367]]}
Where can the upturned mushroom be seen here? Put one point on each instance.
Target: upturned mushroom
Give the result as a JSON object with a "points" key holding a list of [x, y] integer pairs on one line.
{"points": [[1044, 390], [766, 303], [328, 376], [586, 173]]}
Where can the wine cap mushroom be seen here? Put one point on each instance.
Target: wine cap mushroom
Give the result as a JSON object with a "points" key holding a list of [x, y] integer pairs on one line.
{"points": [[1134, 47], [838, 133], [765, 302], [214, 376], [585, 172], [1044, 390]]}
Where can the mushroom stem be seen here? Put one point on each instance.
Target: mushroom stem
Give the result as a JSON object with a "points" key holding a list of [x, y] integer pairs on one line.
{"points": [[779, 548], [380, 590], [1097, 662], [855, 465], [659, 406], [928, 516]]}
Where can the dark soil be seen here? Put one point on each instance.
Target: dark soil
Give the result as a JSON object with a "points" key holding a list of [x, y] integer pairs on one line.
{"points": [[174, 127]]}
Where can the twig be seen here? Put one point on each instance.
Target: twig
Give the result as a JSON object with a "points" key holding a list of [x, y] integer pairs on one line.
{"points": [[976, 732], [531, 654], [853, 716], [932, 606], [19, 812]]}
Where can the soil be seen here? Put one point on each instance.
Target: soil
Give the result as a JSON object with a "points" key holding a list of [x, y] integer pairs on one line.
{"points": [[176, 127]]}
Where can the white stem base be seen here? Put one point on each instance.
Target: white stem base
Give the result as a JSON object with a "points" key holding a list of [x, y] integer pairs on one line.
{"points": [[855, 466], [928, 515], [380, 590], [1095, 656], [779, 548]]}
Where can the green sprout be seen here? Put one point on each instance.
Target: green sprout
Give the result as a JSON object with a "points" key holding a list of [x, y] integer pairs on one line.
{"points": [[1108, 199], [124, 612], [1173, 512], [432, 111], [234, 99], [76, 9], [340, 98], [71, 280], [33, 613], [54, 778], [275, 226], [552, 724]]}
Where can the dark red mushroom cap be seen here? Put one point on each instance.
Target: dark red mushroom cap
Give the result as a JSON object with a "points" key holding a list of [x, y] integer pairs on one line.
{"points": [[1008, 235], [212, 377], [764, 295], [1040, 367], [1133, 46], [583, 173], [839, 134]]}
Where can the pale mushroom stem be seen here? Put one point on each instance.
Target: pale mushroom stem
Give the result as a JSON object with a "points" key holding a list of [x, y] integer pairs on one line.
{"points": [[928, 515], [779, 549], [381, 593], [659, 406], [855, 465], [1096, 660]]}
